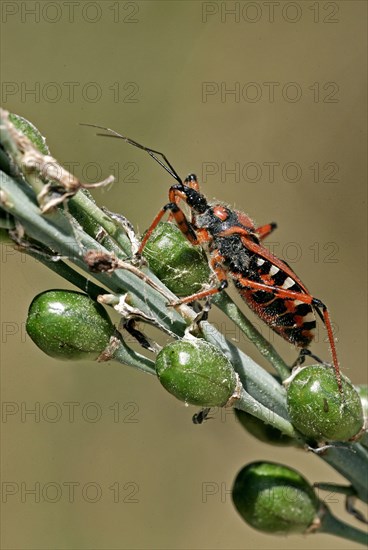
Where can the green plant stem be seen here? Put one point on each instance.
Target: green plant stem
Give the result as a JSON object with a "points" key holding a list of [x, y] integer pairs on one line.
{"points": [[351, 460], [69, 274], [331, 525], [225, 303], [335, 488], [83, 202], [248, 404], [6, 221], [125, 355], [255, 380], [54, 231]]}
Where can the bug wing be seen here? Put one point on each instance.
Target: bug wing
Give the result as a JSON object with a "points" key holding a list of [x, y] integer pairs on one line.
{"points": [[291, 318]]}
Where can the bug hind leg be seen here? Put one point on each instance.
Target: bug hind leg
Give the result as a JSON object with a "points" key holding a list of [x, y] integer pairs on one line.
{"points": [[304, 352]]}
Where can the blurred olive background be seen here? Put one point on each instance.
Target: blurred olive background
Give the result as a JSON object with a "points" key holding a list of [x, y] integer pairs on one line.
{"points": [[274, 92]]}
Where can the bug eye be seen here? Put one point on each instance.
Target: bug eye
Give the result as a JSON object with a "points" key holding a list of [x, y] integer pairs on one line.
{"points": [[190, 178]]}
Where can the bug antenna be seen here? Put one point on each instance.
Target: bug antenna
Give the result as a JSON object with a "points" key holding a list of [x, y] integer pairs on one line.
{"points": [[154, 154]]}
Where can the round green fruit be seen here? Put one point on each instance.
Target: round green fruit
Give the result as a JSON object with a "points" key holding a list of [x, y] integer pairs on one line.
{"points": [[68, 325], [318, 410], [196, 372], [182, 267], [274, 498]]}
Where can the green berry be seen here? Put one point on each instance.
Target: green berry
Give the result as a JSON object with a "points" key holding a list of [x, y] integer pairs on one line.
{"points": [[196, 372], [318, 410], [69, 325], [182, 267], [274, 498]]}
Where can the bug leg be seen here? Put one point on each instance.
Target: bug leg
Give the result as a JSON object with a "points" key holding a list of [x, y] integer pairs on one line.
{"points": [[216, 263], [184, 225], [202, 315], [318, 305], [150, 230], [265, 230], [190, 181], [139, 336], [180, 219], [300, 359], [307, 299], [307, 353], [202, 311], [206, 309]]}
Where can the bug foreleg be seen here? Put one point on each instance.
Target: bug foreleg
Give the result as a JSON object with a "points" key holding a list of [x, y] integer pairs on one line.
{"points": [[184, 225], [216, 263]]}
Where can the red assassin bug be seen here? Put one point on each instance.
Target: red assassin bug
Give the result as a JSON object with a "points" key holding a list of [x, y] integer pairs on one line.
{"points": [[266, 283]]}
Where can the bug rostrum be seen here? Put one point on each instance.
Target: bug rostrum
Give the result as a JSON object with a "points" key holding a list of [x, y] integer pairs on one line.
{"points": [[234, 245]]}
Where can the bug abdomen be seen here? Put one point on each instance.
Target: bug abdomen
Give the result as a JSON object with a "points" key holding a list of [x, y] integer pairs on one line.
{"points": [[292, 319]]}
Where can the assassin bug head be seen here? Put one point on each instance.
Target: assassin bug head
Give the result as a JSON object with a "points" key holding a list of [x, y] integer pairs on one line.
{"points": [[193, 197], [192, 181]]}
